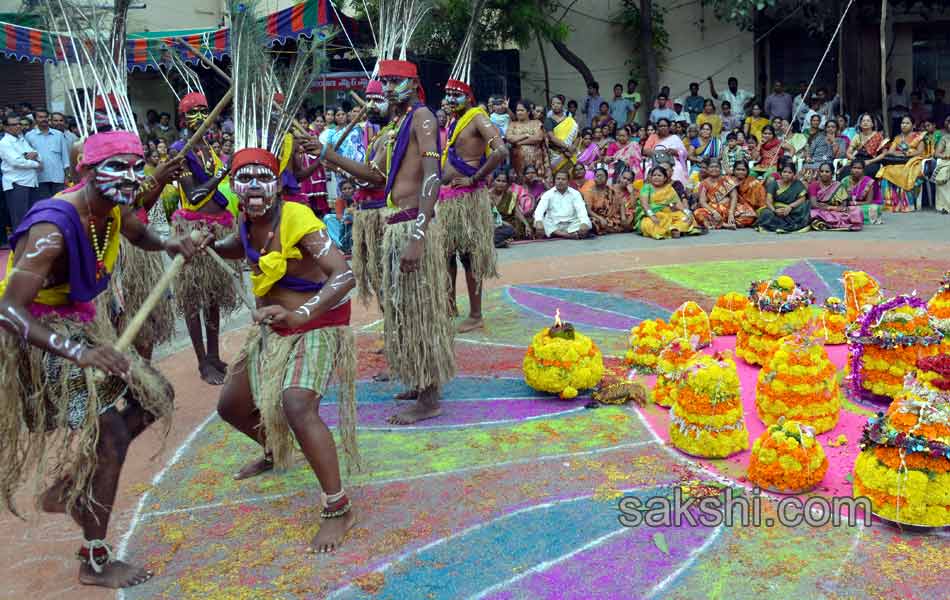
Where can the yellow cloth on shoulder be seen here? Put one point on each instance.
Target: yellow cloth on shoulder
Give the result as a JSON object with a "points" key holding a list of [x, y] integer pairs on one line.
{"points": [[59, 295], [296, 221], [463, 122]]}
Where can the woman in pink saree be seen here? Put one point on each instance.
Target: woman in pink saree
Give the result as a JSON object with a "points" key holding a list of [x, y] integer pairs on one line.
{"points": [[831, 207], [628, 153]]}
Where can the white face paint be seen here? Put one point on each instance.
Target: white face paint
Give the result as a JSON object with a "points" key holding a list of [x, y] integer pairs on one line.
{"points": [[256, 188], [119, 179], [377, 104]]}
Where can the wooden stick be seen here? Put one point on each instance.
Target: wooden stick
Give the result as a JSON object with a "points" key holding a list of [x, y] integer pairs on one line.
{"points": [[357, 99], [197, 135]]}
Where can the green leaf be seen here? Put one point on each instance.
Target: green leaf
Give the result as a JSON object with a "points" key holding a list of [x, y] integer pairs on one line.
{"points": [[659, 540]]}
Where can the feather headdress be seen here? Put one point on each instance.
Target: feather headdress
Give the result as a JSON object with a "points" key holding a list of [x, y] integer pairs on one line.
{"points": [[95, 63], [268, 91], [398, 21], [460, 79]]}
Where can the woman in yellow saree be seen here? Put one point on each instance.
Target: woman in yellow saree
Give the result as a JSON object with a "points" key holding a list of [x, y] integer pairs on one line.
{"points": [[903, 169], [661, 214], [562, 132]]}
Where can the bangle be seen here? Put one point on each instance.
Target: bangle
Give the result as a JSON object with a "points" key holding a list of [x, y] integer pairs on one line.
{"points": [[431, 155]]}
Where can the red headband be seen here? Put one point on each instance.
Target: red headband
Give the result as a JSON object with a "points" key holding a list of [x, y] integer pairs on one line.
{"points": [[254, 156], [460, 86], [374, 88], [102, 146], [192, 100], [398, 68]]}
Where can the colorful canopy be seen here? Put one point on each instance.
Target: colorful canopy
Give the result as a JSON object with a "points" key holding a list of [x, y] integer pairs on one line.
{"points": [[306, 19]]}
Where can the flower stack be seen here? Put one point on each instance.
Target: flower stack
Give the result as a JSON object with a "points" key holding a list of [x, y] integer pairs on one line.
{"points": [[787, 459], [886, 344], [706, 419], [799, 384], [939, 309], [647, 339], [831, 322], [691, 321], [776, 309], [562, 361], [861, 291], [671, 368], [904, 464], [728, 313]]}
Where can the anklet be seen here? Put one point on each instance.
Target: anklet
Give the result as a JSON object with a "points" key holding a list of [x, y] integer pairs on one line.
{"points": [[333, 498], [96, 554], [338, 508]]}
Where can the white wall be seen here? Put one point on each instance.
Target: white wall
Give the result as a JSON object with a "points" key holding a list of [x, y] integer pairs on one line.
{"points": [[700, 46]]}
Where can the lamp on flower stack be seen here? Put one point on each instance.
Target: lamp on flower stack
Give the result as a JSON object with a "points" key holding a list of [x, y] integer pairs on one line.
{"points": [[562, 361]]}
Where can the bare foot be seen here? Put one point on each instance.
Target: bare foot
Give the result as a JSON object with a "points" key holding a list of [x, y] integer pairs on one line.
{"points": [[255, 468], [53, 500], [331, 534], [218, 364], [210, 374], [415, 413], [471, 324], [116, 574], [407, 395]]}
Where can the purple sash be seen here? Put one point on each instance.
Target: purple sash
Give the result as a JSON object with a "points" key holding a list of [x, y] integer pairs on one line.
{"points": [[83, 285], [288, 282], [198, 172], [402, 145]]}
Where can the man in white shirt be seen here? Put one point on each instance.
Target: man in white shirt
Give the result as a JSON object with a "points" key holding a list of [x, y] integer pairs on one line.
{"points": [[20, 163], [54, 155], [561, 211], [736, 97]]}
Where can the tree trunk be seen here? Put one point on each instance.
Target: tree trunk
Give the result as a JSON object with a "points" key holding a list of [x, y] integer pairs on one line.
{"points": [[648, 56], [544, 63], [575, 61], [887, 125]]}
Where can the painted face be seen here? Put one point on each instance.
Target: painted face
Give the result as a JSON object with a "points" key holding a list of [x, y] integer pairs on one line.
{"points": [[118, 179], [458, 101], [377, 105], [256, 187], [398, 89], [196, 116]]}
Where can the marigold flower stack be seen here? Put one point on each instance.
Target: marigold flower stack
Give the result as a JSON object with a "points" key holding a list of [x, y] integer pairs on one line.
{"points": [[904, 464], [706, 419], [861, 291], [799, 383], [728, 313], [831, 322], [939, 309], [671, 368], [777, 308], [787, 459], [690, 321], [562, 361], [886, 344], [647, 340]]}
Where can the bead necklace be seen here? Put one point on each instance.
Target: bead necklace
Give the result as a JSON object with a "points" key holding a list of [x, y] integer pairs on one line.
{"points": [[100, 247]]}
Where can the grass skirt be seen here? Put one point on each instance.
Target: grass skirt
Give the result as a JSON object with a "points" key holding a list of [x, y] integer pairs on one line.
{"points": [[135, 274], [272, 358], [368, 229], [417, 328], [470, 229], [49, 411], [201, 281]]}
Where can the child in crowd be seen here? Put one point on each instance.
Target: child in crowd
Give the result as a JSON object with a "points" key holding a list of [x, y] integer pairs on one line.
{"points": [[340, 223]]}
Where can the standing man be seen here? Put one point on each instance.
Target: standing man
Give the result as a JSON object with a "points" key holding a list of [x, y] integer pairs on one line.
{"points": [[779, 103], [464, 207], [622, 110], [591, 103], [633, 96], [739, 99], [694, 102], [663, 110], [53, 149], [21, 165]]}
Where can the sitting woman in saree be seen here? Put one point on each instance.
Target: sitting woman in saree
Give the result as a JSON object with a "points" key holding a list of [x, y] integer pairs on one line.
{"points": [[903, 167], [707, 148], [941, 174], [625, 157], [602, 118], [787, 209], [661, 213], [867, 145], [769, 153], [756, 122], [510, 220], [578, 176], [709, 116], [588, 151], [562, 132], [628, 191], [864, 193], [831, 207], [604, 207], [820, 148], [749, 190], [526, 138], [719, 206], [665, 143], [533, 183]]}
